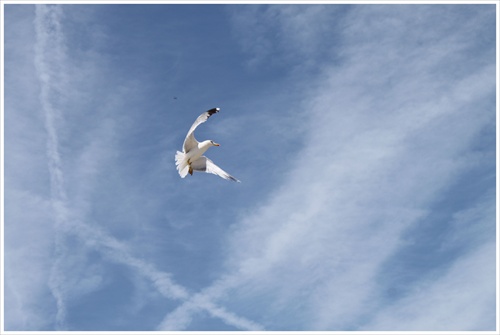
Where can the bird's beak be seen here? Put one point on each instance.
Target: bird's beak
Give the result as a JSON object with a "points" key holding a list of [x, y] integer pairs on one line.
{"points": [[217, 144]]}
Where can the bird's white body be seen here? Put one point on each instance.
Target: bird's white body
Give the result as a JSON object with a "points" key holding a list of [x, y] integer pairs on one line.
{"points": [[199, 150], [192, 159]]}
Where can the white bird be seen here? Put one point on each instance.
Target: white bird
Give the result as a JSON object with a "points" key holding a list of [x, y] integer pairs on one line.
{"points": [[192, 159]]}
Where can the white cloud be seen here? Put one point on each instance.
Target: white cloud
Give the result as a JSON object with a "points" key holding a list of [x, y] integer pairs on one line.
{"points": [[283, 36], [27, 264], [463, 299], [390, 130]]}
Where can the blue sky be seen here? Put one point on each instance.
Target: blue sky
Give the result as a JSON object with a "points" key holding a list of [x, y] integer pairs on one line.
{"points": [[364, 137]]}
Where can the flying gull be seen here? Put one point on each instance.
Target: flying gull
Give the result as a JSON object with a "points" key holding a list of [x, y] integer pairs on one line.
{"points": [[191, 159]]}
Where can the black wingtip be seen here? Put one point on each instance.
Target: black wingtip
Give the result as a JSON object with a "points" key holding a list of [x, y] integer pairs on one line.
{"points": [[234, 179], [213, 111]]}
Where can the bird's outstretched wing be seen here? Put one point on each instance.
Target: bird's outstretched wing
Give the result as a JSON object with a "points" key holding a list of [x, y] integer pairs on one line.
{"points": [[190, 142], [206, 165]]}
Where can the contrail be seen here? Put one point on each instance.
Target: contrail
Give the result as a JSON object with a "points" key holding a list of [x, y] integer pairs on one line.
{"points": [[180, 318], [48, 67]]}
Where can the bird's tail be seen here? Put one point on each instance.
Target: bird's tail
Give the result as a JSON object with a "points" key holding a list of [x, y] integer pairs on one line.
{"points": [[182, 164]]}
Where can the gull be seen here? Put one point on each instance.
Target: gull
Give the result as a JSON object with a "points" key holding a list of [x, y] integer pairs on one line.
{"points": [[191, 158]]}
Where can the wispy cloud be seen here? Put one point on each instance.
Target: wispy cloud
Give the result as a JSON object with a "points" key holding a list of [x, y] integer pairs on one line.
{"points": [[21, 289], [391, 129], [439, 303], [378, 144], [283, 36]]}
